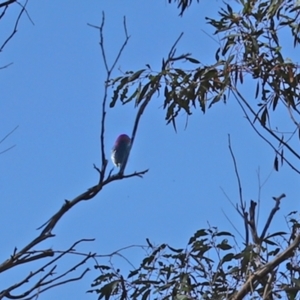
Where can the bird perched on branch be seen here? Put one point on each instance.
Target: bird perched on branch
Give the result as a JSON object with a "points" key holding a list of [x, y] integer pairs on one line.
{"points": [[120, 150]]}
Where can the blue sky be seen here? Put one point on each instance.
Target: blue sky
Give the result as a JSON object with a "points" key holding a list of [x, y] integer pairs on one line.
{"points": [[53, 91]]}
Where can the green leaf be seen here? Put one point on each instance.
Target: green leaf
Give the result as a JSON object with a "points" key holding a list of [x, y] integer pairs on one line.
{"points": [[228, 257], [224, 246], [275, 101], [133, 273], [199, 233], [276, 163], [193, 60], [143, 92], [229, 9], [263, 117], [146, 294], [175, 250], [217, 56], [274, 252], [279, 233], [270, 242], [224, 233], [102, 267], [108, 289], [135, 75], [123, 82], [174, 123], [202, 101]]}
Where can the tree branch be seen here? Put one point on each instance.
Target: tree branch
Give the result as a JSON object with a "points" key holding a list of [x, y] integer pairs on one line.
{"points": [[272, 213], [266, 269]]}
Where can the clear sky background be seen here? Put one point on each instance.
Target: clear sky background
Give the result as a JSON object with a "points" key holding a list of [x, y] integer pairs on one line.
{"points": [[53, 91]]}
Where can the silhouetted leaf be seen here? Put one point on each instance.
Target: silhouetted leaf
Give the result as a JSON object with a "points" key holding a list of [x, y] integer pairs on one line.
{"points": [[146, 294], [224, 246], [107, 290], [133, 273], [276, 163], [224, 233], [228, 257], [275, 101], [193, 60], [279, 233], [263, 117], [143, 92]]}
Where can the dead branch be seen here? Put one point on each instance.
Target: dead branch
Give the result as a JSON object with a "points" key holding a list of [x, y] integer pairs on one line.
{"points": [[28, 253], [272, 213], [266, 269], [243, 212], [252, 224], [43, 282], [14, 31], [109, 70]]}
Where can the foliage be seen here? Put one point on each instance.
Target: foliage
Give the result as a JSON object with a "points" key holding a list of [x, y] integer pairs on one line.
{"points": [[44, 275], [213, 265], [251, 43], [182, 5]]}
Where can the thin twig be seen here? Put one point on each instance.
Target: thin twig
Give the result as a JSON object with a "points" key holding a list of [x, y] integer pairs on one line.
{"points": [[6, 66], [252, 223], [6, 136], [148, 97], [260, 135], [41, 282], [272, 213], [242, 202], [109, 71], [16, 25], [237, 93], [231, 223]]}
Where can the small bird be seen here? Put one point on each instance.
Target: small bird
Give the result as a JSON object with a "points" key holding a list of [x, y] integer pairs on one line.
{"points": [[120, 150]]}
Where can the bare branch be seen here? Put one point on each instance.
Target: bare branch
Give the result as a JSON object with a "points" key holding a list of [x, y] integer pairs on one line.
{"points": [[6, 136], [7, 3], [16, 23], [272, 213], [242, 202], [42, 281], [252, 224], [6, 66], [260, 135], [237, 93], [109, 71], [266, 269]]}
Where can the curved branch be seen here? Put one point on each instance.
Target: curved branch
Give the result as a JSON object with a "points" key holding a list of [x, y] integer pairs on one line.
{"points": [[16, 23], [42, 281]]}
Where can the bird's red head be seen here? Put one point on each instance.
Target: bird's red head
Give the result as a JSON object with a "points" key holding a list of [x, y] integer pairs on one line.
{"points": [[123, 138]]}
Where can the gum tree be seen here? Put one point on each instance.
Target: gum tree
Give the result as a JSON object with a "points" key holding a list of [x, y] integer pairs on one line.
{"points": [[265, 265]]}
